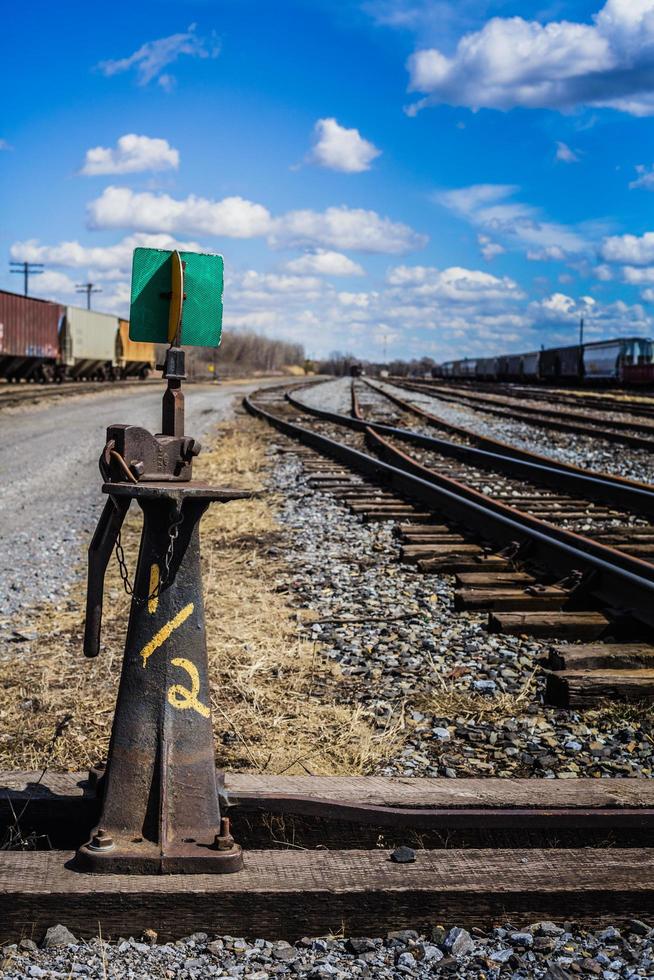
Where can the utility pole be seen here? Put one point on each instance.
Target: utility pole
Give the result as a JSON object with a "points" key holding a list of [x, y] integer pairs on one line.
{"points": [[25, 269], [385, 339], [88, 288], [581, 331]]}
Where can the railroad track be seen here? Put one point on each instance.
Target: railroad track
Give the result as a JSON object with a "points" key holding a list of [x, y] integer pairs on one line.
{"points": [[485, 849], [618, 401], [546, 549], [17, 394], [633, 432]]}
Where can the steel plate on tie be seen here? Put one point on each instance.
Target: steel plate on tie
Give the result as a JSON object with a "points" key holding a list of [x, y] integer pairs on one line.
{"points": [[202, 312]]}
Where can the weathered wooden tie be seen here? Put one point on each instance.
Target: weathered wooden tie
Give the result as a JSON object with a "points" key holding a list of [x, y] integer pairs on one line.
{"points": [[569, 625]]}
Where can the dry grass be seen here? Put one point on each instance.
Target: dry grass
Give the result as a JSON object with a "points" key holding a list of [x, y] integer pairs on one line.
{"points": [[446, 702], [276, 700]]}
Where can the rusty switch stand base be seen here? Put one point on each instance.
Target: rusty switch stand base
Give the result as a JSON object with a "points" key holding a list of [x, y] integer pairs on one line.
{"points": [[161, 809]]}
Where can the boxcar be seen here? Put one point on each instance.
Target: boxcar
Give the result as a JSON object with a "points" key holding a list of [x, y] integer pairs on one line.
{"points": [[134, 358], [88, 346], [486, 368], [29, 337]]}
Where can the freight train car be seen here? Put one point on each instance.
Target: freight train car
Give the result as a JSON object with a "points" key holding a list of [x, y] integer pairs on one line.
{"points": [[88, 344], [134, 359], [626, 360], [29, 337]]}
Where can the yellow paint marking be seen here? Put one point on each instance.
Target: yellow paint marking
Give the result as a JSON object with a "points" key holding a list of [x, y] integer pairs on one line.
{"points": [[159, 638], [180, 697], [153, 603]]}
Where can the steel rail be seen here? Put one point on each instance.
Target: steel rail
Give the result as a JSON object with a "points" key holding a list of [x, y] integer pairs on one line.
{"points": [[485, 818], [549, 419], [616, 492], [622, 584], [506, 449]]}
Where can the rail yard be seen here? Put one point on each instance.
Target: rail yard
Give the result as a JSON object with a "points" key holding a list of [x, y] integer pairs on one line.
{"points": [[431, 673]]}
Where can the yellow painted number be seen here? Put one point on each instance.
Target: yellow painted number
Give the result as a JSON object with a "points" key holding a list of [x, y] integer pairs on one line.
{"points": [[180, 697]]}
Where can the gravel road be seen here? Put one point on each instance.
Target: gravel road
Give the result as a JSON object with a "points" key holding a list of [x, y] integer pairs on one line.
{"points": [[50, 496]]}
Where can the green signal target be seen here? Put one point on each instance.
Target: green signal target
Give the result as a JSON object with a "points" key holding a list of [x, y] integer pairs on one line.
{"points": [[202, 310]]}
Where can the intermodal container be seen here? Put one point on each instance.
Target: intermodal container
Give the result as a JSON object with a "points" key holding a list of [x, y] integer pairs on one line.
{"points": [[29, 328]]}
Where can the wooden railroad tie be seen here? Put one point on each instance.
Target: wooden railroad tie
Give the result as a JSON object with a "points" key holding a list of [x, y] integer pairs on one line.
{"points": [[289, 893]]}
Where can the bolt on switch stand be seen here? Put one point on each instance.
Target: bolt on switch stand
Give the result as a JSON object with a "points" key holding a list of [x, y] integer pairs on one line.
{"points": [[160, 807]]}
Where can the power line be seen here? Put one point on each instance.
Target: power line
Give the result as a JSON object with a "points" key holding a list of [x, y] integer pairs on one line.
{"points": [[25, 269], [88, 288]]}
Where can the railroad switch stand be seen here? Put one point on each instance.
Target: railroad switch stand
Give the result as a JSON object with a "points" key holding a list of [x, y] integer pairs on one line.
{"points": [[160, 808]]}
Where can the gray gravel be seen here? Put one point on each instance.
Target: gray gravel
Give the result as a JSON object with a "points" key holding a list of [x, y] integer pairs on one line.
{"points": [[50, 485], [331, 395], [540, 950], [469, 702]]}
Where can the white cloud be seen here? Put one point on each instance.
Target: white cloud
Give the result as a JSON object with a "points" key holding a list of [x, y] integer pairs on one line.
{"points": [[53, 283], [342, 149], [455, 283], [488, 248], [487, 206], [362, 300], [4, 145], [513, 62], [233, 217], [345, 228], [648, 295], [603, 273], [638, 277], [553, 253], [565, 155], [645, 178], [324, 262], [630, 249], [110, 260], [152, 57], [131, 154]]}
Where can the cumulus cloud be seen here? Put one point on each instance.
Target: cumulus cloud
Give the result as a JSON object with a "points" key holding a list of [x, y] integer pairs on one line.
{"points": [[233, 217], [341, 227], [152, 57], [455, 283], [630, 249], [488, 248], [111, 261], [638, 277], [565, 155], [131, 154], [489, 206], [341, 149], [645, 178], [514, 62], [324, 262]]}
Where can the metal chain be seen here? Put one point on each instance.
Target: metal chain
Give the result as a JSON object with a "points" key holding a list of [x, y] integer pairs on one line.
{"points": [[173, 533]]}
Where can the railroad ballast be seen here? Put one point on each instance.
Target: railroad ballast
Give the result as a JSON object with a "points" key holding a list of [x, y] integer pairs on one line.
{"points": [[625, 360], [44, 341]]}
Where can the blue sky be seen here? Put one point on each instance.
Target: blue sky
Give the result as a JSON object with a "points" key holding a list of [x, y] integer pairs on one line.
{"points": [[421, 176]]}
